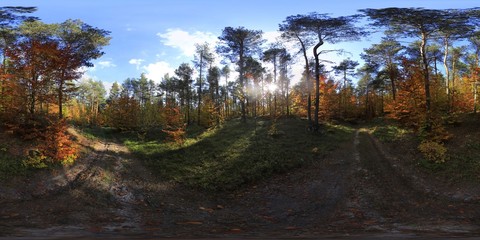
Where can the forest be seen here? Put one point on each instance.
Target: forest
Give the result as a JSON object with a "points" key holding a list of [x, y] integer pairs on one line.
{"points": [[211, 142]]}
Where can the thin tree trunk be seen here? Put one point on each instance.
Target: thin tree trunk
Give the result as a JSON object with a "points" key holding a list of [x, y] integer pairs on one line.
{"points": [[426, 76], [200, 89], [243, 97], [317, 85], [447, 70]]}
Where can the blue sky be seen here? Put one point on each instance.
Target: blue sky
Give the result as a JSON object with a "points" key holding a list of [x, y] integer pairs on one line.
{"points": [[156, 36]]}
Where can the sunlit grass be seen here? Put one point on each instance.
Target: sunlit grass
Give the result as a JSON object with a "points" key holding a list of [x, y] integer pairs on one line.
{"points": [[389, 133], [234, 154]]}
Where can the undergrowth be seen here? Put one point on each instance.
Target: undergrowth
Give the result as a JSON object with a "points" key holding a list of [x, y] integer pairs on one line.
{"points": [[237, 153]]}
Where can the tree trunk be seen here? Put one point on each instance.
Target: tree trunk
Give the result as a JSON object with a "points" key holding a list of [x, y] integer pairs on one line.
{"points": [[308, 79], [452, 90], [275, 82], [447, 71], [317, 85], [391, 72], [345, 92], [426, 76], [200, 89], [242, 90]]}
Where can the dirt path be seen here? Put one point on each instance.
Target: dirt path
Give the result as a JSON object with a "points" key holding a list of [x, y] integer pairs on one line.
{"points": [[355, 190]]}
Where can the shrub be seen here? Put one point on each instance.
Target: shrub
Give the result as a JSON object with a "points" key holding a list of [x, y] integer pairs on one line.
{"points": [[57, 144], [433, 151]]}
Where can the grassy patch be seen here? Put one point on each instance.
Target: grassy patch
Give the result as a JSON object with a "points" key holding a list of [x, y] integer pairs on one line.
{"points": [[389, 133], [224, 158], [10, 166], [463, 163]]}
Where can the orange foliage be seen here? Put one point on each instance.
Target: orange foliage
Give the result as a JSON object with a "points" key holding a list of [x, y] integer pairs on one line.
{"points": [[123, 113], [56, 143], [329, 99], [409, 107], [175, 128]]}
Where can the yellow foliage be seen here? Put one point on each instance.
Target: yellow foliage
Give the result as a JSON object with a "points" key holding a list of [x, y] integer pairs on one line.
{"points": [[433, 151]]}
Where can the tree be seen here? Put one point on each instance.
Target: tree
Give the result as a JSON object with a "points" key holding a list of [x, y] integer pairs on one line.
{"points": [[114, 92], [92, 94], [284, 65], [330, 30], [345, 68], [253, 70], [385, 53], [237, 44], [203, 58], [226, 73], [183, 87], [411, 22], [78, 44], [273, 55], [213, 79], [294, 28], [475, 44], [455, 25], [10, 18], [33, 61]]}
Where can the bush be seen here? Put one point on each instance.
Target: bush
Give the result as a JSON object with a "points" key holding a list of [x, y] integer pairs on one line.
{"points": [[433, 151], [57, 144]]}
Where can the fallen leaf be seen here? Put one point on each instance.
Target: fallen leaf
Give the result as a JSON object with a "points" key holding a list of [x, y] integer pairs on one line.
{"points": [[291, 228], [189, 223]]}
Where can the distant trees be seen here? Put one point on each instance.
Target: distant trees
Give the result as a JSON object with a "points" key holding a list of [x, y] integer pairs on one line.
{"points": [[41, 63], [237, 44], [385, 55], [325, 29], [345, 68], [427, 25], [203, 58]]}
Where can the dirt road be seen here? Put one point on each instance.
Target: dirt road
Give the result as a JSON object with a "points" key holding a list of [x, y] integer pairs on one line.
{"points": [[357, 190]]}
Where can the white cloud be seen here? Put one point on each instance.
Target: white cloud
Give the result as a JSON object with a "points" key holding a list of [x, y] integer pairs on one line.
{"points": [[156, 71], [185, 41], [272, 36], [137, 62], [106, 64]]}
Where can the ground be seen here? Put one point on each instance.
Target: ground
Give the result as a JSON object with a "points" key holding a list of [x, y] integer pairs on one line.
{"points": [[363, 188]]}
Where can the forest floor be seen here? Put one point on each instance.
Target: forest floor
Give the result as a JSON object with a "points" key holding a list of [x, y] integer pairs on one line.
{"points": [[362, 189]]}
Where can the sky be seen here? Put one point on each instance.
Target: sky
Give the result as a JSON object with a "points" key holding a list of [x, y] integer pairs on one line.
{"points": [[155, 36]]}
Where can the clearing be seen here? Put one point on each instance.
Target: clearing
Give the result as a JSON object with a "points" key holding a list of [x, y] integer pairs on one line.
{"points": [[357, 189]]}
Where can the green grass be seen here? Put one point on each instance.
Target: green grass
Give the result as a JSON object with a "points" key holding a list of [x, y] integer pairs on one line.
{"points": [[463, 163], [389, 133], [10, 166], [227, 157]]}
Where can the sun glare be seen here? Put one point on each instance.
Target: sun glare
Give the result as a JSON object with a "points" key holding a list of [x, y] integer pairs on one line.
{"points": [[271, 87]]}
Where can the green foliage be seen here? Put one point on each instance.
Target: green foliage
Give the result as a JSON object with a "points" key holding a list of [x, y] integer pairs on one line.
{"points": [[10, 165], [433, 151], [38, 161], [236, 153]]}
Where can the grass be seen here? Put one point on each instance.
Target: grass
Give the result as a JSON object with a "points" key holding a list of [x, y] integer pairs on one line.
{"points": [[463, 163], [237, 153], [11, 166], [389, 133], [463, 151]]}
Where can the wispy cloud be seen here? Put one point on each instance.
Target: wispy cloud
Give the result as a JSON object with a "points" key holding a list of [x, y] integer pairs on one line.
{"points": [[185, 41], [106, 64], [137, 62]]}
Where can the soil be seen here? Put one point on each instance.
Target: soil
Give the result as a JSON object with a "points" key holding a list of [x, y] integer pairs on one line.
{"points": [[359, 190]]}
